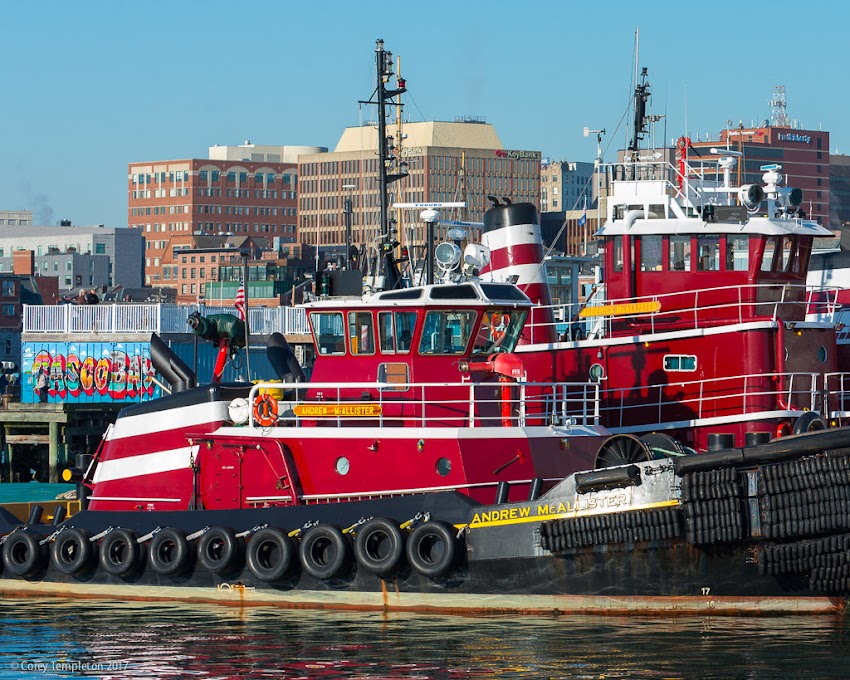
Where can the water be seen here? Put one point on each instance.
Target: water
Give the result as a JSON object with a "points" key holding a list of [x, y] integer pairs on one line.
{"points": [[69, 638], [19, 493]]}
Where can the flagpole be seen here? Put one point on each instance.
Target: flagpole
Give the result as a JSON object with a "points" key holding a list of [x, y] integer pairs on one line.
{"points": [[247, 327]]}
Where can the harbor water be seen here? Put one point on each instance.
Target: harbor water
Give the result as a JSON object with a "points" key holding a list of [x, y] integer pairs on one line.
{"points": [[65, 638], [72, 638]]}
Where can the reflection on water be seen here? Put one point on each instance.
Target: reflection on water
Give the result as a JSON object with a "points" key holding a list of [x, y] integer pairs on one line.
{"points": [[69, 638]]}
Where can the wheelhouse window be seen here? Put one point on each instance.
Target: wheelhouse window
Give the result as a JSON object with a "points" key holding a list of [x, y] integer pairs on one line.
{"points": [[618, 254], [737, 253], [447, 332], [767, 257], [328, 332], [499, 331], [708, 247], [787, 253], [361, 333], [680, 253], [395, 331], [650, 253]]}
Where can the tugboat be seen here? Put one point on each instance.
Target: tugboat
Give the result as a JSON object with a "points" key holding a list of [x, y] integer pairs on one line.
{"points": [[701, 339], [421, 470]]}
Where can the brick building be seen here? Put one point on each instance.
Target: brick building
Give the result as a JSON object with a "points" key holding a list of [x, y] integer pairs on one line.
{"points": [[446, 161], [227, 195]]}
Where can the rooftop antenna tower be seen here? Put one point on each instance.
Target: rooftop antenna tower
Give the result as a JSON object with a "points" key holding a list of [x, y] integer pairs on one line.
{"points": [[778, 114]]}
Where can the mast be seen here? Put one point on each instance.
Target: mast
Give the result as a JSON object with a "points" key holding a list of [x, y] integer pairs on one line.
{"points": [[390, 167]]}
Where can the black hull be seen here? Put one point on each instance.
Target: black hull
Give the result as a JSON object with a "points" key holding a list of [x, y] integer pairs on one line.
{"points": [[758, 532]]}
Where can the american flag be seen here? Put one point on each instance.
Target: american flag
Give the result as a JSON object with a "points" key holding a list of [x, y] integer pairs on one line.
{"points": [[240, 300]]}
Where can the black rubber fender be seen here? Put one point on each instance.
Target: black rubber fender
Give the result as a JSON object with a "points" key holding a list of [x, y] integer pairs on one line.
{"points": [[325, 552], [433, 548], [270, 555], [170, 552], [379, 546], [219, 550], [72, 551], [810, 421], [120, 553], [23, 554]]}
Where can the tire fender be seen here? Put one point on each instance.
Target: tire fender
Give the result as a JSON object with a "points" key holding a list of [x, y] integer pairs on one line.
{"points": [[23, 554], [219, 550], [120, 553], [170, 552], [325, 553], [72, 552], [270, 555], [379, 546], [433, 548]]}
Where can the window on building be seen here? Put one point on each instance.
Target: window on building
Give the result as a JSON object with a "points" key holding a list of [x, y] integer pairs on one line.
{"points": [[8, 288], [8, 310]]}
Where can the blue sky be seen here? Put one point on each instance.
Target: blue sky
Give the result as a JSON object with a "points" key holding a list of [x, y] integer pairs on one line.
{"points": [[89, 87]]}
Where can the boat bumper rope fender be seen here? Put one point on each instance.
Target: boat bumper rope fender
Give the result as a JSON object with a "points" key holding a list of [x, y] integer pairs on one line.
{"points": [[433, 548], [72, 551], [270, 554], [171, 553], [24, 554], [265, 410], [325, 552], [379, 546], [120, 553], [219, 550]]}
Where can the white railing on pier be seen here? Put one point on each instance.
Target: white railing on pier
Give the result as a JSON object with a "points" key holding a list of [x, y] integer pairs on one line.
{"points": [[157, 318]]}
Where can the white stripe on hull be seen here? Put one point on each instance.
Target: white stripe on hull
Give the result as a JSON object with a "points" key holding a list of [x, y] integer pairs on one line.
{"points": [[169, 419], [144, 464]]}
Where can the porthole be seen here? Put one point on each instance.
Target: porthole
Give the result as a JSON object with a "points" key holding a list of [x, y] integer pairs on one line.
{"points": [[342, 465], [444, 466], [597, 372], [822, 354]]}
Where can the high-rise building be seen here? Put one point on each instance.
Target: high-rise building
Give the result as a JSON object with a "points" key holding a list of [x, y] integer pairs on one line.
{"points": [[446, 162], [565, 185], [245, 190], [839, 191]]}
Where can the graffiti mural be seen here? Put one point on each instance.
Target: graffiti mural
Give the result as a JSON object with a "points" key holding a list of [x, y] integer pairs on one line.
{"points": [[82, 372]]}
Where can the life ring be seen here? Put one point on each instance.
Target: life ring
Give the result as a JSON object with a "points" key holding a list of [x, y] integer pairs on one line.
{"points": [[218, 550], [72, 551], [783, 429], [498, 325], [379, 546], [170, 552], [810, 421], [433, 549], [23, 554], [120, 553], [265, 410], [325, 553], [270, 555]]}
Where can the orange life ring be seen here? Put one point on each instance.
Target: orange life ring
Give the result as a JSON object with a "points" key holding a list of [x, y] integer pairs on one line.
{"points": [[783, 429], [498, 325], [265, 410]]}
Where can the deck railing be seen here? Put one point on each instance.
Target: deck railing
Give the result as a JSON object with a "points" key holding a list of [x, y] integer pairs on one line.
{"points": [[433, 404], [691, 309], [731, 397], [155, 318]]}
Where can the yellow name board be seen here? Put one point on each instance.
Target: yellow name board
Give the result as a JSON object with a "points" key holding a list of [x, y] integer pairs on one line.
{"points": [[328, 410], [621, 309]]}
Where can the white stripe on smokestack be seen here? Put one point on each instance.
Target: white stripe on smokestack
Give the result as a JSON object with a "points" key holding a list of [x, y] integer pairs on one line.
{"points": [[512, 233]]}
